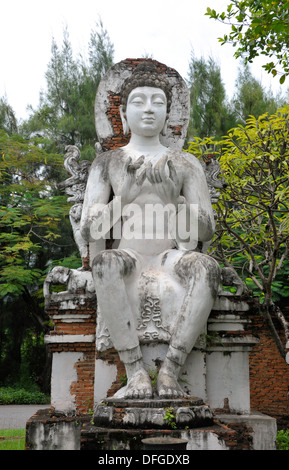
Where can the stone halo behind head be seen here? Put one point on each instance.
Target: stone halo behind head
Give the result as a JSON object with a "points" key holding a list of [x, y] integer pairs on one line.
{"points": [[119, 80]]}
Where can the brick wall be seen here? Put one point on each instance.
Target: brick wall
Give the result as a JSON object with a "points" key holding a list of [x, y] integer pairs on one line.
{"points": [[83, 323], [269, 373]]}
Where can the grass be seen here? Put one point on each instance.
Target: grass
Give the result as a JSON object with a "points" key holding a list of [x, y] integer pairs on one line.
{"points": [[12, 439]]}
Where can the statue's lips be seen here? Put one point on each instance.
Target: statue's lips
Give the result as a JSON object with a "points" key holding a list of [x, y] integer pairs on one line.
{"points": [[148, 120]]}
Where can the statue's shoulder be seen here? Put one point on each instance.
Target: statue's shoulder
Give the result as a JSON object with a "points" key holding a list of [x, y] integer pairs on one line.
{"points": [[187, 160], [104, 160], [106, 156]]}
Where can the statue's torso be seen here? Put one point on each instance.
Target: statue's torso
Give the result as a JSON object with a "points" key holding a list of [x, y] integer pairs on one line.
{"points": [[145, 220]]}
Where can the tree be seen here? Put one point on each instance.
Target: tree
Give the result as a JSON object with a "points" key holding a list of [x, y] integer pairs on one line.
{"points": [[101, 52], [8, 121], [258, 27], [251, 99], [33, 232], [210, 114], [66, 110], [253, 213]]}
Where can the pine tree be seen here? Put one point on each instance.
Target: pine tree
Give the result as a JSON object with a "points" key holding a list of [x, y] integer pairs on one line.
{"points": [[8, 121], [251, 98], [210, 112], [66, 110], [101, 52]]}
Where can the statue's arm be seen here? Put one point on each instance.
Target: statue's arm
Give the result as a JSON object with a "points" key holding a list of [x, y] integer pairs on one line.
{"points": [[195, 191], [96, 196]]}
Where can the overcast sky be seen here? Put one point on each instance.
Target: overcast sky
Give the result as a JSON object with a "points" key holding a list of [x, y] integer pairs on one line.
{"points": [[167, 30]]}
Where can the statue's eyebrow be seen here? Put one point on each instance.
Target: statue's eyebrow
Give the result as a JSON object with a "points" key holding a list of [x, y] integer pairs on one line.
{"points": [[140, 94], [137, 94], [159, 95]]}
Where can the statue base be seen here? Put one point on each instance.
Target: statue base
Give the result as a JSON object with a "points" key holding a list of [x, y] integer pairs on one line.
{"points": [[157, 424], [49, 430], [156, 413]]}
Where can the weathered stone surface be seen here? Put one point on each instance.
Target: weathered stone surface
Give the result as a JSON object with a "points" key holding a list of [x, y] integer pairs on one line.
{"points": [[153, 413]]}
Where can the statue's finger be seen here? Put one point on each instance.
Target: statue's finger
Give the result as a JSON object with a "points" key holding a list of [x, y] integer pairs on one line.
{"points": [[173, 173], [141, 177], [140, 161], [133, 167], [157, 176], [149, 173], [161, 165], [127, 164]]}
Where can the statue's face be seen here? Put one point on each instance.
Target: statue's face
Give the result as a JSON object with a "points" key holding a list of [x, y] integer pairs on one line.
{"points": [[146, 111]]}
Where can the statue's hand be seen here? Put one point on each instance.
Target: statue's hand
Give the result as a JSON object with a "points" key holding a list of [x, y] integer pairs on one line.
{"points": [[167, 186], [131, 183]]}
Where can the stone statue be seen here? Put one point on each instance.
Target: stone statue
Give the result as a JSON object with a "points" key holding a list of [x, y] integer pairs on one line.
{"points": [[154, 285]]}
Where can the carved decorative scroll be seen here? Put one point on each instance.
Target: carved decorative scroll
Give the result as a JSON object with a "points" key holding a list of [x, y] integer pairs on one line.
{"points": [[74, 187]]}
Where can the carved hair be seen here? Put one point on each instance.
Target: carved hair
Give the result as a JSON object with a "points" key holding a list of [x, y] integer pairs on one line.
{"points": [[146, 74]]}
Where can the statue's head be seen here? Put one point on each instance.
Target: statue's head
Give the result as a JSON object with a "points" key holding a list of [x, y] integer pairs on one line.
{"points": [[147, 90], [146, 74]]}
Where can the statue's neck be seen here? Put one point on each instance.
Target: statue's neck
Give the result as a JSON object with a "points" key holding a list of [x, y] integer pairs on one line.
{"points": [[142, 144]]}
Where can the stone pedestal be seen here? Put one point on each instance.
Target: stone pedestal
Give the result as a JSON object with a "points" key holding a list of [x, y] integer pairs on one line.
{"points": [[130, 424], [217, 370], [154, 413], [83, 382]]}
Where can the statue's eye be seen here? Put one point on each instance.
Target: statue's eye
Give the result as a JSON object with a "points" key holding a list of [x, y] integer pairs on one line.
{"points": [[159, 101], [137, 101]]}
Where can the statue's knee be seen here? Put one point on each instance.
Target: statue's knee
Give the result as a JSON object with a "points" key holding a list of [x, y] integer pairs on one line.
{"points": [[196, 265], [112, 263], [214, 271], [209, 269]]}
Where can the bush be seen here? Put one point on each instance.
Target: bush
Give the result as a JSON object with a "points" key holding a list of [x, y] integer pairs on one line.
{"points": [[20, 396], [282, 440]]}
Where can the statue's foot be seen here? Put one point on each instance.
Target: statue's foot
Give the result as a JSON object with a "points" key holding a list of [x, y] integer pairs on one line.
{"points": [[139, 385], [168, 386]]}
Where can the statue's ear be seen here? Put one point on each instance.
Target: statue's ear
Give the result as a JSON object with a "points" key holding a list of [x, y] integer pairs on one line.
{"points": [[124, 121], [165, 128]]}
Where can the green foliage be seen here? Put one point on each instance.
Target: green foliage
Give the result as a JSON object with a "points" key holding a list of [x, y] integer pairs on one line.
{"points": [[251, 99], [30, 212], [21, 396], [282, 440], [154, 373], [170, 418], [8, 121], [101, 51], [253, 228], [258, 28], [33, 231], [210, 113], [66, 110], [72, 262], [252, 233]]}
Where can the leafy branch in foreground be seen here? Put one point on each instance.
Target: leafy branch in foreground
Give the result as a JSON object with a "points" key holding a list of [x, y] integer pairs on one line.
{"points": [[258, 28], [253, 212]]}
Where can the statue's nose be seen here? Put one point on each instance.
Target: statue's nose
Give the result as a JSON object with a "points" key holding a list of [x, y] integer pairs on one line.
{"points": [[148, 107]]}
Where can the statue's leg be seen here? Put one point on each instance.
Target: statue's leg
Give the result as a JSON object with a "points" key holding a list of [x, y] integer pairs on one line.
{"points": [[111, 270], [201, 276]]}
